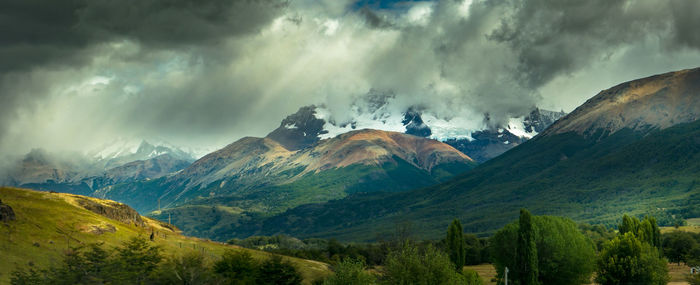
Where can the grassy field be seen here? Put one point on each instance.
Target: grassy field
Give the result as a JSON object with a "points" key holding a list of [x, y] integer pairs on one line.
{"points": [[677, 272], [486, 271], [693, 226], [48, 223]]}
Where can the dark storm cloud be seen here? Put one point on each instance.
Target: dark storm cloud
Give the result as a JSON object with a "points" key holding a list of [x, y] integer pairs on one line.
{"points": [[172, 23], [37, 32]]}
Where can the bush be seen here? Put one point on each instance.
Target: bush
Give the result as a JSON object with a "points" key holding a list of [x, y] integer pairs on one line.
{"points": [[628, 260], [472, 277], [409, 265], [350, 272]]}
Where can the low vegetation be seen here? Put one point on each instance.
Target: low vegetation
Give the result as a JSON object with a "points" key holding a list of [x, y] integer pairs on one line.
{"points": [[137, 261], [47, 225]]}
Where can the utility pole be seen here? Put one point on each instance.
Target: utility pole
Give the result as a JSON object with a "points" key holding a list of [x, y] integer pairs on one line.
{"points": [[158, 204], [169, 222], [506, 275]]}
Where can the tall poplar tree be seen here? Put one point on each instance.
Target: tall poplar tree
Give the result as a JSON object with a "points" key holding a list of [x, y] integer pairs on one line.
{"points": [[526, 251], [455, 244]]}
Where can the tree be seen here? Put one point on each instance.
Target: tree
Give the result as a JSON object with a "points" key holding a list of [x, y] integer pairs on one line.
{"points": [[648, 231], [455, 244], [677, 245], [276, 271], [628, 225], [474, 249], [189, 268], [350, 272], [628, 260], [409, 265], [564, 254], [237, 267], [526, 251], [136, 260]]}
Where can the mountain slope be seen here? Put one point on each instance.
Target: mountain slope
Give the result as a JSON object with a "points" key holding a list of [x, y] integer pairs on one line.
{"points": [[48, 223], [256, 177], [358, 161], [656, 102], [591, 173]]}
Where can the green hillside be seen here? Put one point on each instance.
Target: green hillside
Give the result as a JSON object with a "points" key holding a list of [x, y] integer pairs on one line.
{"points": [[48, 223], [563, 174], [221, 217]]}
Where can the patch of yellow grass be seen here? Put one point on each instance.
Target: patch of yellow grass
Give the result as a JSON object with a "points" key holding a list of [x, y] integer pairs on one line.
{"points": [[486, 271]]}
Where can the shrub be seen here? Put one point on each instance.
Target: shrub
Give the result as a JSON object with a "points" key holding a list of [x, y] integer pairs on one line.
{"points": [[409, 265], [350, 272]]}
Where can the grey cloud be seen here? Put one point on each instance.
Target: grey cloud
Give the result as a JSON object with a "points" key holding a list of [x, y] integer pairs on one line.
{"points": [[45, 37], [375, 19], [208, 72], [686, 22], [552, 38]]}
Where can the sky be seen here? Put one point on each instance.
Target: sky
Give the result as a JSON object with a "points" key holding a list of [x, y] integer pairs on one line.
{"points": [[77, 74]]}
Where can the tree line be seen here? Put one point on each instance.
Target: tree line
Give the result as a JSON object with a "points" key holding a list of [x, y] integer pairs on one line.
{"points": [[535, 249]]}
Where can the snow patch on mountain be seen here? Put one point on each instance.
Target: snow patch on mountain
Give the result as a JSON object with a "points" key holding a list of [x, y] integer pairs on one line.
{"points": [[380, 119], [517, 127]]}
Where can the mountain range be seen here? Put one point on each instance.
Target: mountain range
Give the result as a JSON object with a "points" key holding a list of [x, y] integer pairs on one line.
{"points": [[629, 149], [634, 148], [84, 173]]}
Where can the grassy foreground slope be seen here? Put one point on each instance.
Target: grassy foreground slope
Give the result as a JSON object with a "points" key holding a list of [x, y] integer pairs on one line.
{"points": [[48, 223]]}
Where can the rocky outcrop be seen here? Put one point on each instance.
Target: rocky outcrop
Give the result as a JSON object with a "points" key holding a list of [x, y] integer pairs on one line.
{"points": [[113, 210], [6, 213], [299, 130], [415, 125]]}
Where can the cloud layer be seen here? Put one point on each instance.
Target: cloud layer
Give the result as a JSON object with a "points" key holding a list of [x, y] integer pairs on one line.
{"points": [[77, 74]]}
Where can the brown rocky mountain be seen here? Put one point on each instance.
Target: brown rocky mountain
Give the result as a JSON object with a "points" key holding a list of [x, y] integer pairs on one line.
{"points": [[652, 103], [251, 163]]}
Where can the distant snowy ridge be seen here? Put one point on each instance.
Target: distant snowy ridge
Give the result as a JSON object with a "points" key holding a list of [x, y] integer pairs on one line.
{"points": [[313, 123]]}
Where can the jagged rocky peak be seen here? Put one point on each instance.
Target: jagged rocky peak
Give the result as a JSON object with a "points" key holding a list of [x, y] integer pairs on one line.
{"points": [[539, 119], [299, 130], [414, 124]]}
